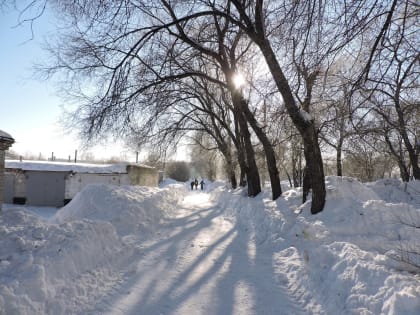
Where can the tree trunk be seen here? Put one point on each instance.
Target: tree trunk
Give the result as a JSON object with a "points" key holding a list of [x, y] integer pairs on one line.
{"points": [[242, 178], [233, 181], [288, 175], [250, 168], [225, 146], [230, 172], [412, 154], [306, 127], [338, 160], [306, 185], [270, 156], [315, 168], [230, 169], [296, 165], [252, 174], [414, 158], [405, 176], [240, 149], [342, 121], [295, 175], [300, 170]]}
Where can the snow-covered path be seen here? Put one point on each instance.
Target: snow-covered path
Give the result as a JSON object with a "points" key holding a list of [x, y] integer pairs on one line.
{"points": [[199, 262], [148, 250]]}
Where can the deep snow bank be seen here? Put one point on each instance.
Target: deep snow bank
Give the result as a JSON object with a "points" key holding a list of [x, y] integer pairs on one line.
{"points": [[63, 266], [395, 191], [352, 258], [127, 208], [345, 260], [41, 264]]}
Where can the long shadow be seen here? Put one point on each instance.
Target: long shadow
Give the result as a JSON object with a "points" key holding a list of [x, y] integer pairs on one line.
{"points": [[239, 268], [172, 302], [170, 245], [251, 285]]}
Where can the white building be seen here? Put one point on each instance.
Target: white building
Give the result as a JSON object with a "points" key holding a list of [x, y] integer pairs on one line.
{"points": [[6, 141], [55, 183]]}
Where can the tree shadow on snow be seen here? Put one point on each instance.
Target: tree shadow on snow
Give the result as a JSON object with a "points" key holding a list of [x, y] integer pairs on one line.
{"points": [[201, 264]]}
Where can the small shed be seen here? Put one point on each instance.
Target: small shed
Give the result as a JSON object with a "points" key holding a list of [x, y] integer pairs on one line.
{"points": [[6, 141], [55, 183]]}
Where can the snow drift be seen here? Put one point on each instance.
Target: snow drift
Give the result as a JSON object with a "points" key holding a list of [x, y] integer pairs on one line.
{"points": [[127, 208], [60, 266], [358, 256]]}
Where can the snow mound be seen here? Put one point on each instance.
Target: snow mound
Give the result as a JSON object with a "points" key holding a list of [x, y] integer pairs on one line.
{"points": [[168, 181], [355, 212], [395, 191], [64, 265], [355, 257], [127, 208], [348, 188], [37, 259]]}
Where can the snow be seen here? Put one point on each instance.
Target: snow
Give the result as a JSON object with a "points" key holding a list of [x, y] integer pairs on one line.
{"points": [[4, 135], [305, 115], [169, 250], [42, 212], [68, 167]]}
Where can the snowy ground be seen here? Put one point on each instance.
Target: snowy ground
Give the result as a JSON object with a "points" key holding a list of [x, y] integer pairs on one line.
{"points": [[168, 250]]}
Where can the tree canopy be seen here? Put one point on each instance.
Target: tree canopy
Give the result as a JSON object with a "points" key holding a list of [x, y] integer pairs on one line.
{"points": [[319, 79]]}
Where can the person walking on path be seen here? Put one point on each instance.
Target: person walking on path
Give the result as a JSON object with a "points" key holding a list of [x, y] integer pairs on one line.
{"points": [[196, 184], [202, 184]]}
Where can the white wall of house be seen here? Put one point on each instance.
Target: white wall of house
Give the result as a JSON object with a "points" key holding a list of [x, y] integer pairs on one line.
{"points": [[16, 185], [20, 185], [9, 187], [2, 177], [37, 182], [6, 141], [76, 181]]}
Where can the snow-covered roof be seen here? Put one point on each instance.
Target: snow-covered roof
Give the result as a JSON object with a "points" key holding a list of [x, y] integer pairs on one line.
{"points": [[4, 136], [68, 167]]}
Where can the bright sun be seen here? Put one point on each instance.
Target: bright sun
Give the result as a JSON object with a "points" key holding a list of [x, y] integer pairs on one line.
{"points": [[238, 80]]}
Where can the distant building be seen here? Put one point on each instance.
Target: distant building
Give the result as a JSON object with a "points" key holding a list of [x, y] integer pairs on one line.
{"points": [[55, 184], [6, 141]]}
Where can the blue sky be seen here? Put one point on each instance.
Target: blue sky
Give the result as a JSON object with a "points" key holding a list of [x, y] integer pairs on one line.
{"points": [[29, 107]]}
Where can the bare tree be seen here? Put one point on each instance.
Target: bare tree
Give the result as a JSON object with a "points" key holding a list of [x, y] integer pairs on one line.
{"points": [[123, 61], [317, 32], [113, 110], [391, 80], [338, 112]]}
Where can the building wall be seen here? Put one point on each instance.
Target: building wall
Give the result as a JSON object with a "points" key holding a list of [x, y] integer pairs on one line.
{"points": [[2, 156], [9, 187], [56, 188], [76, 181], [5, 142], [45, 188], [20, 184], [143, 176], [15, 189]]}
